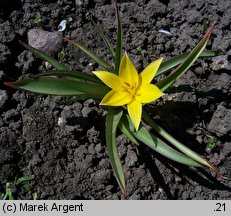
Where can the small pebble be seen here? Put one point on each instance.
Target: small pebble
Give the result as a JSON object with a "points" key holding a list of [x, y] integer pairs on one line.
{"points": [[49, 42], [61, 121]]}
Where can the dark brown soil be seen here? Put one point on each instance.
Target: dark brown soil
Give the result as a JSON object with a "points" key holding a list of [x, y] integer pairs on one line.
{"points": [[63, 146]]}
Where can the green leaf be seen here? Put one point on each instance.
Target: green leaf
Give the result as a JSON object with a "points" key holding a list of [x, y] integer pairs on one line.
{"points": [[125, 130], [76, 75], [35, 196], [45, 57], [23, 179], [105, 39], [112, 121], [158, 145], [95, 57], [205, 25], [176, 60], [118, 40], [192, 57], [60, 86], [8, 193], [2, 196], [187, 151], [161, 147]]}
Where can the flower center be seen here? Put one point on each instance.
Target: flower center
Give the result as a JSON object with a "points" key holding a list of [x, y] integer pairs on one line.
{"points": [[130, 89]]}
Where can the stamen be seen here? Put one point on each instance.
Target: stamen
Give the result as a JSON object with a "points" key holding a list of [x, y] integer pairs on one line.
{"points": [[127, 84], [132, 90]]}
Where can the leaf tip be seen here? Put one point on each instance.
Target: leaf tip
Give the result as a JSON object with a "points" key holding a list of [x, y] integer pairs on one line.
{"points": [[22, 43], [208, 33], [213, 25], [10, 84], [215, 170], [125, 193]]}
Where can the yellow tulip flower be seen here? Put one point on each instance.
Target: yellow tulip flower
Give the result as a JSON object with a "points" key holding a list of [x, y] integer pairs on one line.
{"points": [[130, 88]]}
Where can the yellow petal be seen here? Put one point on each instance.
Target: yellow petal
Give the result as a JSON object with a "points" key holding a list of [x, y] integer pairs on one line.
{"points": [[115, 98], [150, 71], [148, 93], [128, 71], [109, 79], [135, 111]]}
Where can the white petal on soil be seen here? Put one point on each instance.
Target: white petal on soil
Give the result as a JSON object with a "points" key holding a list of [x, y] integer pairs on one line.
{"points": [[164, 32], [62, 25]]}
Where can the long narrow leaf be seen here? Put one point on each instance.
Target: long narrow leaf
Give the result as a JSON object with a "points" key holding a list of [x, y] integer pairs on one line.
{"points": [[125, 130], [192, 57], [23, 179], [158, 145], [162, 148], [119, 40], [105, 39], [60, 86], [45, 57], [76, 75], [187, 151], [112, 121], [176, 60], [91, 54]]}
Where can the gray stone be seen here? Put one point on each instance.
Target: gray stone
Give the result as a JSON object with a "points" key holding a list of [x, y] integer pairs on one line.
{"points": [[91, 149], [48, 42], [7, 33], [35, 160], [131, 158], [4, 54], [193, 16], [215, 159], [189, 79], [86, 111], [98, 148], [1, 75], [78, 2], [11, 115], [220, 121], [25, 61], [189, 97], [221, 62], [216, 82], [102, 176], [3, 98], [93, 135], [227, 148]]}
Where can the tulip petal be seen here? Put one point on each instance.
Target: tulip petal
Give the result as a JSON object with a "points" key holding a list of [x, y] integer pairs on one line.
{"points": [[128, 71], [135, 112], [148, 93], [150, 71], [110, 79], [115, 98]]}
